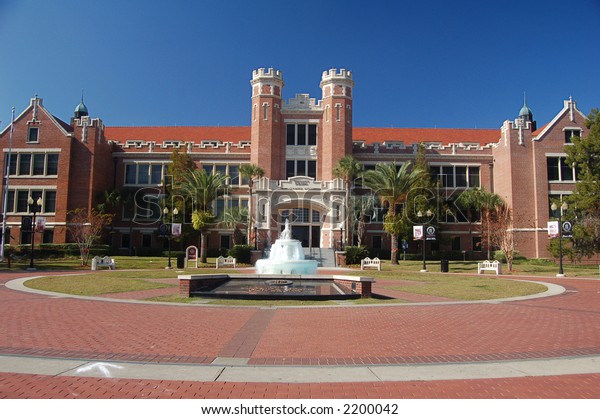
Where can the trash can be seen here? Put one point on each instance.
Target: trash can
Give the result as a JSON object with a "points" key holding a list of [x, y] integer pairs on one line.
{"points": [[180, 261], [445, 265]]}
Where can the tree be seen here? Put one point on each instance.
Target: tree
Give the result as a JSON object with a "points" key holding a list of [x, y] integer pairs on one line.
{"points": [[475, 199], [347, 168], [584, 203], [501, 233], [233, 218], [181, 163], [203, 189], [85, 229], [392, 185], [251, 172]]}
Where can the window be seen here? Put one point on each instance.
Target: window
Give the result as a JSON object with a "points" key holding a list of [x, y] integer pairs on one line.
{"points": [[301, 137], [570, 133], [32, 134], [125, 241], [234, 175], [290, 168], [22, 197], [461, 176], [477, 244], [312, 134], [301, 134], [52, 165], [301, 168], [559, 170], [38, 164], [24, 164], [291, 134], [456, 176], [50, 201], [311, 170], [144, 173], [12, 170], [48, 236]]}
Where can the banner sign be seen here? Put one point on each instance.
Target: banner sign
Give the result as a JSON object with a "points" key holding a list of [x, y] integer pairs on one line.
{"points": [[163, 230], [176, 229], [418, 232], [552, 229], [430, 233], [40, 224], [567, 229]]}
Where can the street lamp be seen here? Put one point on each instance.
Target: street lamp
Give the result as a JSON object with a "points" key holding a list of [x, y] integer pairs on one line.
{"points": [[563, 207], [34, 207], [255, 238], [341, 239], [166, 213], [420, 215]]}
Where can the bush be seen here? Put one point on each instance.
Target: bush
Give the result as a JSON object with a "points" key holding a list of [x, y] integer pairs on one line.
{"points": [[61, 250], [241, 253], [499, 256], [354, 254]]}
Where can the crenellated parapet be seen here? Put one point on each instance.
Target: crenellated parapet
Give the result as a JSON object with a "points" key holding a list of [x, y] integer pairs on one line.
{"points": [[267, 82], [203, 146]]}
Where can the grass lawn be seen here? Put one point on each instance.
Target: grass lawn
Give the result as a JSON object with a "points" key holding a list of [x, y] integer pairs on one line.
{"points": [[145, 273]]}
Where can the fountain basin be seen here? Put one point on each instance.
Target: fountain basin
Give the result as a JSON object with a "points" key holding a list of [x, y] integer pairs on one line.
{"points": [[286, 267], [323, 287]]}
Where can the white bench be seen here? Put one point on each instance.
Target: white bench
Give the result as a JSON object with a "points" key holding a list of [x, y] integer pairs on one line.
{"points": [[228, 261], [104, 262], [370, 263], [487, 265]]}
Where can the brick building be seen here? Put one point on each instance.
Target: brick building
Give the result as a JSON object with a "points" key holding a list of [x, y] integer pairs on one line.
{"points": [[297, 142]]}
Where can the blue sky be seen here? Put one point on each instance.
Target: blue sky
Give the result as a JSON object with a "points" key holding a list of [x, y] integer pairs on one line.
{"points": [[454, 64]]}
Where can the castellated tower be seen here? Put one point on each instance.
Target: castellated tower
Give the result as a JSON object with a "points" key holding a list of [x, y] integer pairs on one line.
{"points": [[268, 142], [336, 128]]}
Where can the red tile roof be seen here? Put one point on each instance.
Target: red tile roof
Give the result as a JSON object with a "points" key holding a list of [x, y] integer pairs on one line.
{"points": [[369, 135], [417, 135], [225, 134]]}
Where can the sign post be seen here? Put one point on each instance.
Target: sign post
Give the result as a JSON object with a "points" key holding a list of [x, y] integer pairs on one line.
{"points": [[191, 255]]}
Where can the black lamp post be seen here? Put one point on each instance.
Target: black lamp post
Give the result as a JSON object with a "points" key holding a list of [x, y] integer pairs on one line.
{"points": [[421, 216], [341, 239], [34, 207], [563, 207], [255, 238], [166, 213]]}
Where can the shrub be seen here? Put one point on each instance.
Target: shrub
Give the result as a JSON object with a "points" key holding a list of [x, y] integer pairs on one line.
{"points": [[241, 252], [354, 254]]}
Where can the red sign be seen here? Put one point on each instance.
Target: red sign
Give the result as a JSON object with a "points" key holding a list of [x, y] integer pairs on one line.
{"points": [[192, 253]]}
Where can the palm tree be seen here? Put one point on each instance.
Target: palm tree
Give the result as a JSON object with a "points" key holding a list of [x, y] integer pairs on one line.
{"points": [[347, 168], [486, 202], [203, 188], [392, 185], [233, 218], [251, 172]]}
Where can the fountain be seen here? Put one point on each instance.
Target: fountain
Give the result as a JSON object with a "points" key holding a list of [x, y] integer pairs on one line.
{"points": [[284, 275], [286, 257]]}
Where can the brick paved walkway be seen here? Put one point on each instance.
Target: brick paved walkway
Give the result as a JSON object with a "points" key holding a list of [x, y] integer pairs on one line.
{"points": [[561, 326]]}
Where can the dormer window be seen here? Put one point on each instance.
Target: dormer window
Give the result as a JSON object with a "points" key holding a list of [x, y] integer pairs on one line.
{"points": [[33, 134], [570, 133]]}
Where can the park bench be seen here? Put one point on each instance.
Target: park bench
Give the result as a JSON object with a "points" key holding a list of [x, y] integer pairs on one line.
{"points": [[370, 263], [228, 261], [488, 265], [103, 262]]}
